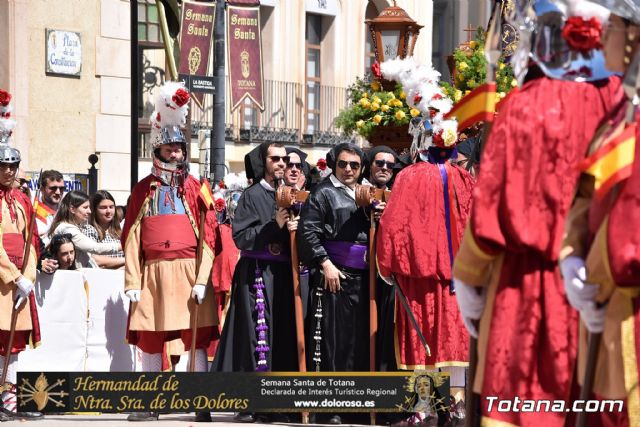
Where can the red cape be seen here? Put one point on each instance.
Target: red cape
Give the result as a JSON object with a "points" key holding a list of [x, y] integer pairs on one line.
{"points": [[412, 238], [529, 168]]}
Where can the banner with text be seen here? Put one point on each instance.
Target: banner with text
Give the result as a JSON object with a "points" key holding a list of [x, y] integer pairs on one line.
{"points": [[245, 55], [234, 392], [196, 33]]}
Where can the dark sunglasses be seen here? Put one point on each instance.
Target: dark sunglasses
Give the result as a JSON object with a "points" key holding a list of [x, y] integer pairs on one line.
{"points": [[292, 165], [342, 164], [381, 163], [55, 188], [276, 159]]}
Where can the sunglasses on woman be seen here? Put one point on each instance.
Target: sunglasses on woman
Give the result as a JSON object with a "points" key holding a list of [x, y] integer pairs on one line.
{"points": [[342, 164]]}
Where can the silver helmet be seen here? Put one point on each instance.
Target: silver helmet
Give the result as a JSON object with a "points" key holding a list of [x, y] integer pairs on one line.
{"points": [[9, 154], [628, 9], [552, 53]]}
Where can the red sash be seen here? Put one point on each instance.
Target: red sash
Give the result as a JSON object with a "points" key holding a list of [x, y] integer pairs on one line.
{"points": [[168, 237], [13, 244]]}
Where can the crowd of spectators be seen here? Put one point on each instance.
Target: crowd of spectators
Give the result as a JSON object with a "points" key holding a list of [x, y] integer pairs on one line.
{"points": [[75, 230]]}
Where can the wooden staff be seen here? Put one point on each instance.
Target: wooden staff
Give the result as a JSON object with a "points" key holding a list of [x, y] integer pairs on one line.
{"points": [[589, 374], [285, 198], [373, 306], [492, 52], [19, 301], [194, 326]]}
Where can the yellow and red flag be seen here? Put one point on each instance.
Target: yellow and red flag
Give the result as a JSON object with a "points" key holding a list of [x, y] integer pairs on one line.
{"points": [[42, 211], [478, 106], [612, 163], [206, 195]]}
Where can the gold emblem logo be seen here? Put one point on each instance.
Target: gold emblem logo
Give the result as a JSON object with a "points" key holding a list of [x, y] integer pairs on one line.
{"points": [[244, 61], [194, 59], [42, 393]]}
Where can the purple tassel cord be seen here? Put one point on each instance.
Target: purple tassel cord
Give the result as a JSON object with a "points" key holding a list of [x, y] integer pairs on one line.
{"points": [[262, 329]]}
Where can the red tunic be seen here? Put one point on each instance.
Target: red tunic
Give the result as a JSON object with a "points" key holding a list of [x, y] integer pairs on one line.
{"points": [[13, 245], [412, 243], [528, 332]]}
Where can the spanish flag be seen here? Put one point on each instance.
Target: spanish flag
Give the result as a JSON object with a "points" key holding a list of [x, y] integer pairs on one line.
{"points": [[42, 211], [477, 106], [206, 195], [612, 163]]}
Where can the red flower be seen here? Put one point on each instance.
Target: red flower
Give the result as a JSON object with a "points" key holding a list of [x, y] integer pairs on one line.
{"points": [[158, 116], [582, 35], [219, 205], [417, 98], [437, 97], [5, 98], [322, 164], [375, 69], [181, 97]]}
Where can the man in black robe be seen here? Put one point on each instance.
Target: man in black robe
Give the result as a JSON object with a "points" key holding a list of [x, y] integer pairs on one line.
{"points": [[259, 228], [333, 236], [382, 165]]}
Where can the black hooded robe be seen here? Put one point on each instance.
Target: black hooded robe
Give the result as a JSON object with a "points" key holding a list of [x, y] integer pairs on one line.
{"points": [[331, 214], [254, 229]]}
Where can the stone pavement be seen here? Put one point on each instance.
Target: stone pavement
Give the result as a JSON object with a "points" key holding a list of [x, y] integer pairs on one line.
{"points": [[112, 420]]}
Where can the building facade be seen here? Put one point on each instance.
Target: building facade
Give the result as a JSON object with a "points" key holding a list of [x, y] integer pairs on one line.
{"points": [[312, 51]]}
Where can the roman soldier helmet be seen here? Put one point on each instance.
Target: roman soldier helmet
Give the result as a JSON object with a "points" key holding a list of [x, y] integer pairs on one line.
{"points": [[627, 9], [8, 154], [171, 109], [562, 37]]}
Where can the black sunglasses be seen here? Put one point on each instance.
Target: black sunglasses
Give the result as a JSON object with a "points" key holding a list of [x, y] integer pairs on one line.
{"points": [[342, 164], [381, 163], [56, 188], [292, 165], [276, 159]]}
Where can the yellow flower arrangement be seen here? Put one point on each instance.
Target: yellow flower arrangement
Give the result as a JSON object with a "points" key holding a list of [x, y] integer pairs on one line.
{"points": [[471, 70], [370, 108]]}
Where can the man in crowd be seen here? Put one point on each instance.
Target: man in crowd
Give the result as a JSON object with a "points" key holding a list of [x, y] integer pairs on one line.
{"points": [[333, 235], [506, 272], [297, 170], [160, 240], [16, 282], [382, 163], [259, 330], [51, 192], [600, 261]]}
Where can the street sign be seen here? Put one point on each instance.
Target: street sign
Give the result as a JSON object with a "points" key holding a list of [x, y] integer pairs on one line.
{"points": [[198, 84]]}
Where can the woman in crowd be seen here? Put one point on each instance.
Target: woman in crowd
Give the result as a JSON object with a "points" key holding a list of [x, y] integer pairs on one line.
{"points": [[104, 226], [63, 251], [74, 211]]}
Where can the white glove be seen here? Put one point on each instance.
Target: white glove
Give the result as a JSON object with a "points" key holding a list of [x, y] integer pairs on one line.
{"points": [[471, 301], [574, 274], [133, 295], [24, 287], [198, 292], [593, 317]]}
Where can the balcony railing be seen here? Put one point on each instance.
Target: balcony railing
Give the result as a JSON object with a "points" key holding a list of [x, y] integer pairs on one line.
{"points": [[284, 118]]}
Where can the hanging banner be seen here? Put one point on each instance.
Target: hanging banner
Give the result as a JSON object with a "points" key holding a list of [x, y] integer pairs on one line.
{"points": [[196, 33], [245, 54]]}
